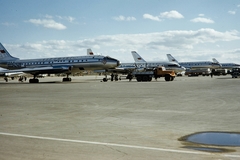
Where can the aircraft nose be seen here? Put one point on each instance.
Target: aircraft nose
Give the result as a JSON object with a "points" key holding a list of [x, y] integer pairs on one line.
{"points": [[114, 62]]}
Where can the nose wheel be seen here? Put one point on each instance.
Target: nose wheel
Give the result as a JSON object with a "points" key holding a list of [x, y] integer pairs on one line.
{"points": [[105, 78]]}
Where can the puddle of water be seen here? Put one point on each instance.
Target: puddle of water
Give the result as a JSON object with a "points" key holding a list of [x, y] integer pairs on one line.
{"points": [[214, 138]]}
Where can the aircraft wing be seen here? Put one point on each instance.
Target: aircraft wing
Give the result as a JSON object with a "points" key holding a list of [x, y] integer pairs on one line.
{"points": [[117, 70], [39, 70], [121, 70]]}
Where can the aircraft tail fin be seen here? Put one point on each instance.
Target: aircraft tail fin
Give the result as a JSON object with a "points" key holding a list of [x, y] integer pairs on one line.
{"points": [[171, 58], [4, 55], [137, 57], [90, 52], [215, 60]]}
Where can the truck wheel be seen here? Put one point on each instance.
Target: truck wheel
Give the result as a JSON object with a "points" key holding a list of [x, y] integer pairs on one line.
{"points": [[145, 78], [172, 78], [139, 78], [167, 78], [149, 79]]}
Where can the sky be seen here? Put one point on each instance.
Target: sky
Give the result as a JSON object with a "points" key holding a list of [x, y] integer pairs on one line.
{"points": [[190, 30]]}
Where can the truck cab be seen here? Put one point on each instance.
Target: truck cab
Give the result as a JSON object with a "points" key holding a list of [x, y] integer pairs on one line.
{"points": [[162, 72]]}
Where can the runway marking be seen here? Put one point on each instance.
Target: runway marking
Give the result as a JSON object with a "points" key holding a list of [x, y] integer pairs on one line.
{"points": [[115, 145]]}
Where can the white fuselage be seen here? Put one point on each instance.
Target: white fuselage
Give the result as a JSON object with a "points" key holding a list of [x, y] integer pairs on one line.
{"points": [[197, 65], [74, 64], [229, 66]]}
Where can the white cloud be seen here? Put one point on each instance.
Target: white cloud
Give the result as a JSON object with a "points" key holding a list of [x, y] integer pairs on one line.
{"points": [[119, 46], [48, 23], [122, 18], [68, 18], [151, 17], [131, 19], [232, 12], [164, 15], [202, 20], [201, 15], [171, 14]]}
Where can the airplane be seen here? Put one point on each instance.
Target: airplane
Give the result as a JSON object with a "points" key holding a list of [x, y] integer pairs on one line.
{"points": [[21, 74], [227, 66], [67, 65], [141, 63], [195, 65]]}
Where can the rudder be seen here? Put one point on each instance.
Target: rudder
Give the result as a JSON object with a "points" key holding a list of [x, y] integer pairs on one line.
{"points": [[171, 58], [4, 54], [137, 57]]}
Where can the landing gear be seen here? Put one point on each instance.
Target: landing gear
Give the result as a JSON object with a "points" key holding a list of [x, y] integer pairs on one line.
{"points": [[105, 79], [67, 79], [34, 80]]}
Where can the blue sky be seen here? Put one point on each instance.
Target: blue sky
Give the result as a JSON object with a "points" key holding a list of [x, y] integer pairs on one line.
{"points": [[190, 30]]}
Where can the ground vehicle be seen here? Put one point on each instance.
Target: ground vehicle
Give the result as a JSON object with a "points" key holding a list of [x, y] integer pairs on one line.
{"points": [[218, 72], [158, 72], [235, 72], [197, 72]]}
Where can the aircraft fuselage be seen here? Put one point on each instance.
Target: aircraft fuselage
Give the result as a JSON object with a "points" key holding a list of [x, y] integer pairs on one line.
{"points": [[74, 64]]}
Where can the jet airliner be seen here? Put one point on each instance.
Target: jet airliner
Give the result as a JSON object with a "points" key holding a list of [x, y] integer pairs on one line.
{"points": [[68, 65], [195, 65], [227, 66]]}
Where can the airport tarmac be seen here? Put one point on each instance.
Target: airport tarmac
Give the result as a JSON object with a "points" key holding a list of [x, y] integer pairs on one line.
{"points": [[122, 120]]}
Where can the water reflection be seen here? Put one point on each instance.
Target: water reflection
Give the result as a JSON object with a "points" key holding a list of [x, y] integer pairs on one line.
{"points": [[214, 138]]}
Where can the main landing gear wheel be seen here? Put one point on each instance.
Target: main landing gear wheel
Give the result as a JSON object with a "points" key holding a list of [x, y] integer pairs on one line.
{"points": [[105, 79], [34, 80], [67, 79]]}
